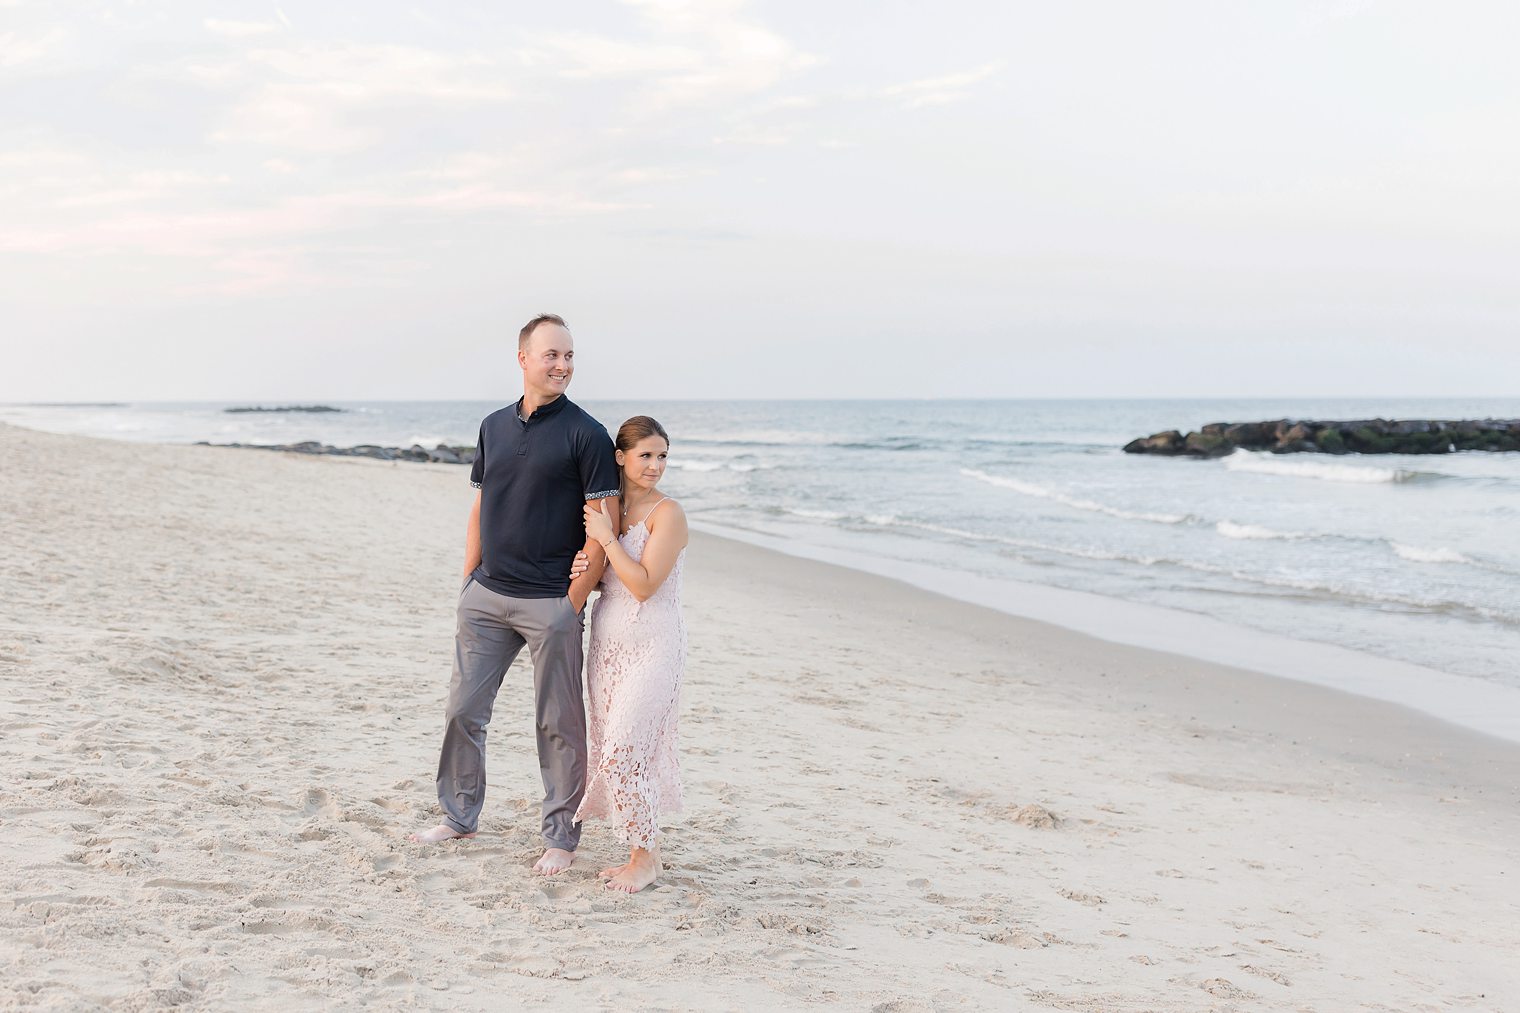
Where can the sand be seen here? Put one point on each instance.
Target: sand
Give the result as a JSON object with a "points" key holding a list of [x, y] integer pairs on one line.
{"points": [[223, 674]]}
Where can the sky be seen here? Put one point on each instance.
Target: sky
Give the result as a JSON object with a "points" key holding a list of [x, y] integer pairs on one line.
{"points": [[726, 199]]}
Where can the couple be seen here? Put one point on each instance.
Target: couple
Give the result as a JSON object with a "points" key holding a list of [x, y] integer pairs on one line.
{"points": [[551, 482]]}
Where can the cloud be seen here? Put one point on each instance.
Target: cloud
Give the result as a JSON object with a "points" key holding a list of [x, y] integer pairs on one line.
{"points": [[32, 52], [288, 231], [947, 88], [695, 54], [314, 96], [239, 29]]}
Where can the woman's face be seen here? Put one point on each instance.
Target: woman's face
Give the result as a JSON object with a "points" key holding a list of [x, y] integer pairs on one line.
{"points": [[644, 462]]}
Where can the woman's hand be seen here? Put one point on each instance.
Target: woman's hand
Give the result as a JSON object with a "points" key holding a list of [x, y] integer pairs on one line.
{"points": [[598, 524], [581, 565]]}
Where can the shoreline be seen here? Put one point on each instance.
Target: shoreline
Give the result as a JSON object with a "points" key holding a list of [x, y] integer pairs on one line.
{"points": [[1466, 702], [1470, 702], [895, 799]]}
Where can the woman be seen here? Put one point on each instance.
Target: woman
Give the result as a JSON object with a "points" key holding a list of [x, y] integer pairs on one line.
{"points": [[638, 649]]}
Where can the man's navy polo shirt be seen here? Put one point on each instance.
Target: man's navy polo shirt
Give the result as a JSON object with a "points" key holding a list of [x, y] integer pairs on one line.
{"points": [[534, 477]]}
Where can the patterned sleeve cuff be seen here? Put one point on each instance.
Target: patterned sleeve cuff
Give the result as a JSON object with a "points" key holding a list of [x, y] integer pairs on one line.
{"points": [[601, 495], [474, 485]]}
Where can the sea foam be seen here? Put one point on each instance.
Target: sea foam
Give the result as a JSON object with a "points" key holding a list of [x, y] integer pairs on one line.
{"points": [[1252, 532], [1076, 503], [1270, 464], [1416, 554]]}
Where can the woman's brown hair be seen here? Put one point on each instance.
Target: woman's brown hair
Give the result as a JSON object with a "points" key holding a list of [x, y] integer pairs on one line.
{"points": [[637, 428]]}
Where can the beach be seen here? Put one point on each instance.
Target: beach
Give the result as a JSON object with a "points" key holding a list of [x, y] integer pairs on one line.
{"points": [[224, 674]]}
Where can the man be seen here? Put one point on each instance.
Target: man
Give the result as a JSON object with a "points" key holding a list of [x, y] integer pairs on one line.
{"points": [[536, 464]]}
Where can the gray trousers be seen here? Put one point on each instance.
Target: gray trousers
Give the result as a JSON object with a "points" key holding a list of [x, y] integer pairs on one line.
{"points": [[492, 630]]}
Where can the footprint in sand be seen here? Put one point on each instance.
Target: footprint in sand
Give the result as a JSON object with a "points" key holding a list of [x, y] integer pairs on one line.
{"points": [[383, 863], [320, 803], [1090, 899]]}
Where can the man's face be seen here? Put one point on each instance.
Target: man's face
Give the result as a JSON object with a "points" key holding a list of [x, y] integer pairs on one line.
{"points": [[548, 361]]}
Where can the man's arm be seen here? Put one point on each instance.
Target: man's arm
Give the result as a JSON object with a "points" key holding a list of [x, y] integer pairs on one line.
{"points": [[472, 540], [582, 586]]}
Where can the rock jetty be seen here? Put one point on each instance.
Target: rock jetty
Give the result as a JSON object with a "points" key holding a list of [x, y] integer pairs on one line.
{"points": [[440, 454], [1362, 436], [285, 408]]}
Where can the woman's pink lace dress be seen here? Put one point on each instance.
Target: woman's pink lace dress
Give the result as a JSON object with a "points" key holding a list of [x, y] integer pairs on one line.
{"points": [[633, 681]]}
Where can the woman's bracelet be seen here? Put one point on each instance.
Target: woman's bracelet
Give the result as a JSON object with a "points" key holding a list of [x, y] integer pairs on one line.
{"points": [[608, 542]]}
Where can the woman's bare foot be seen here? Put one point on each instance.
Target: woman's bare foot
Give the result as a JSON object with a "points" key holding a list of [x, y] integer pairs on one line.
{"points": [[610, 871], [554, 862], [643, 868], [442, 832]]}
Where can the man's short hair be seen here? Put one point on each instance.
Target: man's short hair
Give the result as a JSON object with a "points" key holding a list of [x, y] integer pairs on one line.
{"points": [[543, 318]]}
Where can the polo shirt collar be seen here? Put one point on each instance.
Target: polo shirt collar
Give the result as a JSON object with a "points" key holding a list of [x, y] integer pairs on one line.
{"points": [[543, 410]]}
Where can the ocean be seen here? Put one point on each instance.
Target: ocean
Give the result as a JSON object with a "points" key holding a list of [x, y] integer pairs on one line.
{"points": [[1024, 504]]}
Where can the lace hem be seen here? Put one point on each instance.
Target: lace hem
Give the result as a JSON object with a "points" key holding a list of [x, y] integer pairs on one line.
{"points": [[624, 791]]}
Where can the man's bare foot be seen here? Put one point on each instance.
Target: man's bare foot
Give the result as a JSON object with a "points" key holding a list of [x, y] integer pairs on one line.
{"points": [[554, 862], [442, 832], [643, 868]]}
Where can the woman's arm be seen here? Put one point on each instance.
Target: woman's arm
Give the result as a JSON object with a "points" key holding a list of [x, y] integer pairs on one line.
{"points": [[584, 582], [667, 537]]}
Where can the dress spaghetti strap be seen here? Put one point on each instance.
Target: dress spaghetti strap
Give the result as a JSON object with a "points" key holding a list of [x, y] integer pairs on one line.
{"points": [[650, 512]]}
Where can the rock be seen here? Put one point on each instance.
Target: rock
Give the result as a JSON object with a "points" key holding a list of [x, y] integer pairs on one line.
{"points": [[1252, 435], [441, 453], [1367, 439], [1169, 442], [1424, 443], [1329, 440], [1296, 437], [1208, 445], [1363, 436]]}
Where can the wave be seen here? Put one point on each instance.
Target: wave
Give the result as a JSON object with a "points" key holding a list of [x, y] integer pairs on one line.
{"points": [[996, 443], [1253, 532], [1415, 554], [1317, 589], [1044, 492], [816, 515], [890, 443], [1412, 553], [1270, 464], [891, 520], [700, 464], [758, 438], [781, 438]]}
